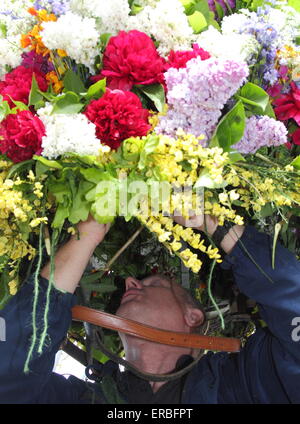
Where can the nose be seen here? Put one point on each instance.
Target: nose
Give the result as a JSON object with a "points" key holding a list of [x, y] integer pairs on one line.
{"points": [[133, 283]]}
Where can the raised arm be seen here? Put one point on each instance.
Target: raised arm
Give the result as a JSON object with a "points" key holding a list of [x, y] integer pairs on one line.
{"points": [[71, 259], [267, 370], [40, 384]]}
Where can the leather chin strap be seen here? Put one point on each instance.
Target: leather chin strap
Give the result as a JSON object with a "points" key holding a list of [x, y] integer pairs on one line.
{"points": [[146, 332]]}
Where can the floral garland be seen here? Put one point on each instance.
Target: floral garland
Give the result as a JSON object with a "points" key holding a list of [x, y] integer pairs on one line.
{"points": [[203, 95]]}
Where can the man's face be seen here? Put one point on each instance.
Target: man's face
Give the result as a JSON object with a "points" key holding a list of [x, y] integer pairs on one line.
{"points": [[153, 301]]}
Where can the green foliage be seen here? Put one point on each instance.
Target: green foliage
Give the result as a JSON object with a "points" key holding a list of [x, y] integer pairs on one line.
{"points": [[4, 108], [35, 96], [72, 82], [155, 93], [231, 128], [295, 4], [67, 103], [296, 162], [255, 100], [96, 90], [199, 15]]}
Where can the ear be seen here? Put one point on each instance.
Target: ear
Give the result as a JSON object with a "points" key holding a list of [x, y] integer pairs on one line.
{"points": [[193, 317]]}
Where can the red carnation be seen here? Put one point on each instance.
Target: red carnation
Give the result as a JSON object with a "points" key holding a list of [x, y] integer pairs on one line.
{"points": [[118, 115], [296, 137], [288, 105], [179, 59], [17, 84], [131, 58], [21, 136]]}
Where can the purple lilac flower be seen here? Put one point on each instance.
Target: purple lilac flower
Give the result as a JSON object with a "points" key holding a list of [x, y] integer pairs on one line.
{"points": [[58, 7], [267, 36], [261, 131], [212, 5], [37, 62], [198, 93]]}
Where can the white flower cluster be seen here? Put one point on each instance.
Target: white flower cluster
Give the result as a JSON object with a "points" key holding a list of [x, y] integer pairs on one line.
{"points": [[111, 16], [284, 20], [10, 54], [14, 20], [16, 7], [238, 47], [167, 24], [74, 34], [72, 133]]}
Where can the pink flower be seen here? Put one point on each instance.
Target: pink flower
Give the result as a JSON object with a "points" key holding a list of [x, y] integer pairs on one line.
{"points": [[17, 84], [118, 115], [179, 59], [131, 58], [21, 136], [288, 105]]}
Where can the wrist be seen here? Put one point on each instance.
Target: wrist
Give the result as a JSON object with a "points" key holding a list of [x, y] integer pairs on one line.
{"points": [[231, 238], [87, 239]]}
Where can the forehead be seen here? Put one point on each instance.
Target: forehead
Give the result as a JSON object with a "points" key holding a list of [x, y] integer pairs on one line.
{"points": [[157, 278]]}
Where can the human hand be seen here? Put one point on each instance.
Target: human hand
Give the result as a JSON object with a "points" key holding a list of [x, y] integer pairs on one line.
{"points": [[206, 223], [92, 231]]}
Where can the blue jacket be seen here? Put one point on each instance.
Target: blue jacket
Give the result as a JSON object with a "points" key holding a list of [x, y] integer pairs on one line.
{"points": [[267, 370]]}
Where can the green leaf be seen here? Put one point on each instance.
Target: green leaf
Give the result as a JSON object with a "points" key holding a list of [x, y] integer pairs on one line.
{"points": [[19, 167], [19, 106], [72, 82], [62, 212], [235, 157], [3, 30], [34, 95], [104, 38], [255, 98], [231, 128], [269, 111], [40, 169], [295, 4], [149, 147], [4, 109], [296, 162], [50, 163], [93, 175], [68, 103], [197, 21], [220, 10], [156, 93], [80, 208], [96, 90], [266, 210]]}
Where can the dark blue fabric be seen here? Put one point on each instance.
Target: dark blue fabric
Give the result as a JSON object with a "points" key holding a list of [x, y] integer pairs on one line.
{"points": [[267, 370]]}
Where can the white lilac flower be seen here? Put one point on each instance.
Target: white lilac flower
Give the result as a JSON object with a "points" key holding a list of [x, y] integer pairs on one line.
{"points": [[198, 93], [167, 24], [111, 15], [14, 21], [74, 34], [239, 47], [286, 22], [261, 131], [16, 7], [10, 54], [68, 133]]}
